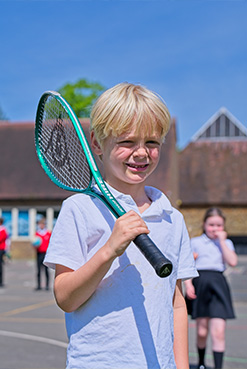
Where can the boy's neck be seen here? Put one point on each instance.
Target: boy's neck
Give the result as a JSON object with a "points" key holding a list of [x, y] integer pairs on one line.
{"points": [[138, 194], [143, 204]]}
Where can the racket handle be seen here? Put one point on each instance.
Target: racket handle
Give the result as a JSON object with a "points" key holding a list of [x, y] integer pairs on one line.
{"points": [[161, 264]]}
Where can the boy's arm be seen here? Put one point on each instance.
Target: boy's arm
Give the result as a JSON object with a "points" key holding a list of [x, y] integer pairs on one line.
{"points": [[181, 350], [74, 287]]}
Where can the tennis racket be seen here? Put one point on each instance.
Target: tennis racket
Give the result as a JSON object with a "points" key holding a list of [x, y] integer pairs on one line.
{"points": [[66, 157]]}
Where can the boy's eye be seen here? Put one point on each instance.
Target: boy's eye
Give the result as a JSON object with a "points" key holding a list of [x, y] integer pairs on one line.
{"points": [[153, 143], [126, 142], [131, 143]]}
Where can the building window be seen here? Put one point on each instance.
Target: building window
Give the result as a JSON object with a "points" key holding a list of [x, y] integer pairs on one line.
{"points": [[7, 216], [23, 223], [56, 213]]}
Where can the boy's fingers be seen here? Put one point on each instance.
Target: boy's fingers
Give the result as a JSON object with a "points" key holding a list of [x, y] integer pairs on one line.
{"points": [[133, 221]]}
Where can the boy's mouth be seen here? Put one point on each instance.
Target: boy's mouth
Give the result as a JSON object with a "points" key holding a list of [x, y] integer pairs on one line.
{"points": [[137, 166]]}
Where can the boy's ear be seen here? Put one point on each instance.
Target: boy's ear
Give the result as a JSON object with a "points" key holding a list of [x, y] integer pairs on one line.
{"points": [[95, 145]]}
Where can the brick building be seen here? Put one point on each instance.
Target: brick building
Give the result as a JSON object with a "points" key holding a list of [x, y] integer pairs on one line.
{"points": [[213, 172]]}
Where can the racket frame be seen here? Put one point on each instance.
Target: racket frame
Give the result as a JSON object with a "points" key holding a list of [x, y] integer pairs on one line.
{"points": [[113, 204]]}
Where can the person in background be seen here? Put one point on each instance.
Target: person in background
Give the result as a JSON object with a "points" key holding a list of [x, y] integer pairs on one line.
{"points": [[3, 246], [43, 236], [209, 294]]}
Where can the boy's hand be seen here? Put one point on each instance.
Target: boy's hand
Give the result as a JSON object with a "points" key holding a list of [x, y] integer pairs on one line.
{"points": [[125, 230]]}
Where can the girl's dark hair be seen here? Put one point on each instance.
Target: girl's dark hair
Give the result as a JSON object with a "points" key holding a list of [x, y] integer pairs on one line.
{"points": [[211, 212]]}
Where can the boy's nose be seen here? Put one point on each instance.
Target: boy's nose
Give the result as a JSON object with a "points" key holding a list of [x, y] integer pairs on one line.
{"points": [[141, 150]]}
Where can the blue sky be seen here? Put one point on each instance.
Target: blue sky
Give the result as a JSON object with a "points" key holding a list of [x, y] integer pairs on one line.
{"points": [[192, 53]]}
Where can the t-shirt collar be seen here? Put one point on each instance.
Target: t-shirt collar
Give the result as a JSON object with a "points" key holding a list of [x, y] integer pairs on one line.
{"points": [[207, 239], [160, 202]]}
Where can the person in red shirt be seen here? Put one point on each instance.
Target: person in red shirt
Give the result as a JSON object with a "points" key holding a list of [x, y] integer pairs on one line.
{"points": [[3, 246], [43, 235]]}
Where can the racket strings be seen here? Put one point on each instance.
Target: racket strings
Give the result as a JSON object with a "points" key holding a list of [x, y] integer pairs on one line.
{"points": [[60, 146]]}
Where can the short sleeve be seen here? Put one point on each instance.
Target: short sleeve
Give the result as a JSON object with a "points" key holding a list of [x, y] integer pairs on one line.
{"points": [[186, 265], [66, 246], [230, 245]]}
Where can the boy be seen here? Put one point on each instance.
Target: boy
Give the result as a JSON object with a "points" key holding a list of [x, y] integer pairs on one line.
{"points": [[119, 313], [3, 247]]}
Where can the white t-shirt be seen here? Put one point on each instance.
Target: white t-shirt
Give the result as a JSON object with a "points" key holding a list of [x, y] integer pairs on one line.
{"points": [[128, 322], [209, 253]]}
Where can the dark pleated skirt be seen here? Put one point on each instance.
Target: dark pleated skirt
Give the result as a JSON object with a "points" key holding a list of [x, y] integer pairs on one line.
{"points": [[213, 296]]}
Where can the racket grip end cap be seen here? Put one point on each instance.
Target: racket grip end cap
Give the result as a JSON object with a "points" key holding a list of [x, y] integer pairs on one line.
{"points": [[164, 270], [161, 265]]}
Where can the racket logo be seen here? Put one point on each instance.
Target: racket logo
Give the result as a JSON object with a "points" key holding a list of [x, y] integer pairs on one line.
{"points": [[58, 146]]}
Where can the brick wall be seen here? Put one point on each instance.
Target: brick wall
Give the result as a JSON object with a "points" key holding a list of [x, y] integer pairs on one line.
{"points": [[236, 220], [22, 250]]}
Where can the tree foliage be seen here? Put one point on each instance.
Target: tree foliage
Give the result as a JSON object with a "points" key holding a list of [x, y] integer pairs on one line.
{"points": [[81, 95]]}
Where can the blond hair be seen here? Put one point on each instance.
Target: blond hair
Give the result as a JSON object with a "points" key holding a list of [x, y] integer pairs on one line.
{"points": [[126, 105]]}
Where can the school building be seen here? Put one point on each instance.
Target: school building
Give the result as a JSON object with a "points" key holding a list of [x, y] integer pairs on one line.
{"points": [[213, 172], [209, 171]]}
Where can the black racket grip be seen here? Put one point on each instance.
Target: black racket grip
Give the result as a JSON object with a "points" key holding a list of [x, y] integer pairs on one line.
{"points": [[161, 264]]}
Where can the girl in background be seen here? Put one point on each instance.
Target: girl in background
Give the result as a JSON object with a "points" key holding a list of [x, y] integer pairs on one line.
{"points": [[209, 294]]}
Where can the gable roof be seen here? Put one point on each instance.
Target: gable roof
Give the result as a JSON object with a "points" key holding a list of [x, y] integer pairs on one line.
{"points": [[213, 167], [222, 126]]}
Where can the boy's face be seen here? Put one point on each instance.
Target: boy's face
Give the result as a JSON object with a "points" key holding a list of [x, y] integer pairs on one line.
{"points": [[41, 225], [130, 158]]}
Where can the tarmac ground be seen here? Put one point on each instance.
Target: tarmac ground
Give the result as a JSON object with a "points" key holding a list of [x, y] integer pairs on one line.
{"points": [[32, 328]]}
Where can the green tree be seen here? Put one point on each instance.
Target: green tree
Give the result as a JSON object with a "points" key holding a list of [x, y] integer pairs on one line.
{"points": [[81, 95]]}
